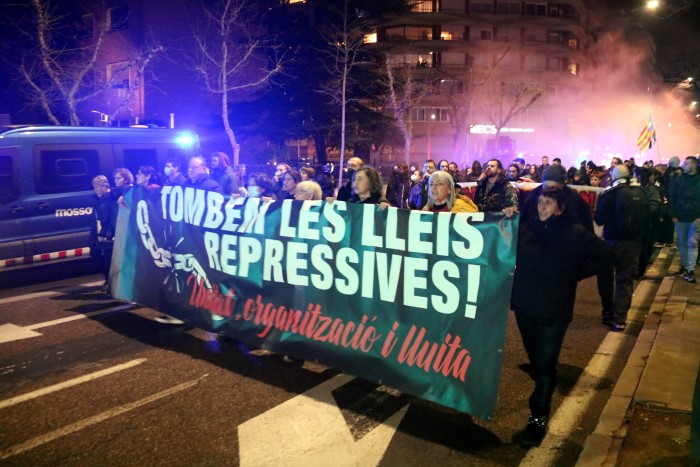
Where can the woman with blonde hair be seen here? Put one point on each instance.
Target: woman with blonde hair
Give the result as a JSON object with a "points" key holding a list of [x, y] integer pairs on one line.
{"points": [[308, 190], [442, 196]]}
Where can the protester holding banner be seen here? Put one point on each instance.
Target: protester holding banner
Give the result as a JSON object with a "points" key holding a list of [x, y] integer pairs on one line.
{"points": [[308, 190], [367, 187], [552, 247], [103, 227], [199, 177], [147, 177], [442, 196], [289, 184], [414, 198], [261, 186]]}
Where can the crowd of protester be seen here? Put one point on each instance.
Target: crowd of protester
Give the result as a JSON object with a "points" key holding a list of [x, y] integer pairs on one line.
{"points": [[638, 208]]}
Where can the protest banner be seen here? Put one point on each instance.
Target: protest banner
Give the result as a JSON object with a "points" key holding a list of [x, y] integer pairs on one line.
{"points": [[411, 299]]}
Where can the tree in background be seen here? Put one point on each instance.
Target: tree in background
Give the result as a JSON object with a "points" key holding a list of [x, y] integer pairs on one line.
{"points": [[233, 55], [56, 65]]}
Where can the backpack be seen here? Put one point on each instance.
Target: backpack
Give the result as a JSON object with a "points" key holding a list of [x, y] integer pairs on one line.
{"points": [[631, 212]]}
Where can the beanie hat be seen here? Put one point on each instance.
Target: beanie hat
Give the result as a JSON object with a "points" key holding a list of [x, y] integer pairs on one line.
{"points": [[620, 171], [554, 173]]}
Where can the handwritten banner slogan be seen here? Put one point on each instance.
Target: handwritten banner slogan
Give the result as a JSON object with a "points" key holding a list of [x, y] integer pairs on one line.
{"points": [[410, 299]]}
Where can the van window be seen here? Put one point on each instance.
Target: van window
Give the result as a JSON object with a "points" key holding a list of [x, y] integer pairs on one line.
{"points": [[135, 158], [9, 184], [63, 171]]}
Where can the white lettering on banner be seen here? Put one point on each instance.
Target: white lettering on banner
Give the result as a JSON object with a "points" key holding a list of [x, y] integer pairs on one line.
{"points": [[388, 270]]}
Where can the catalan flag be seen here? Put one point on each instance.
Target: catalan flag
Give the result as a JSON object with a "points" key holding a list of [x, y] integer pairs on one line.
{"points": [[647, 137]]}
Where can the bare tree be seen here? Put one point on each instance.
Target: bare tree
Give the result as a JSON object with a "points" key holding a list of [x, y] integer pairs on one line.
{"points": [[233, 56], [346, 41], [59, 69], [405, 91]]}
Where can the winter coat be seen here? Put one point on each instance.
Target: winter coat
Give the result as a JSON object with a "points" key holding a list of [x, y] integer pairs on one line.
{"points": [[502, 195], [684, 198], [419, 195], [204, 183], [105, 210], [550, 259], [398, 191], [608, 213]]}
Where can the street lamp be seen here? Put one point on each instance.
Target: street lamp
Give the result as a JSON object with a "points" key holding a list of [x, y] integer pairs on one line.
{"points": [[652, 5]]}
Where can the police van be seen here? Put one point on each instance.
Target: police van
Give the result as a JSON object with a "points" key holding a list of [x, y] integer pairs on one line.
{"points": [[46, 174]]}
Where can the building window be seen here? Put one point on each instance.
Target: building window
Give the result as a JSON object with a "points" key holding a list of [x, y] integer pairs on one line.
{"points": [[451, 86], [535, 63], [573, 68], [536, 9], [410, 33], [118, 77], [557, 63], [452, 59], [508, 8], [431, 114], [119, 18], [419, 60], [480, 7], [573, 43], [423, 7], [370, 38]]}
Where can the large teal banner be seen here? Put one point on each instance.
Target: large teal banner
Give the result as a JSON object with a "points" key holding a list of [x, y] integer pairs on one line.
{"points": [[414, 300]]}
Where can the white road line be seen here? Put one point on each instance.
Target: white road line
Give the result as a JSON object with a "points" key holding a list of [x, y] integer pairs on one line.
{"points": [[310, 430], [31, 296], [67, 319], [572, 408], [87, 422], [70, 383]]}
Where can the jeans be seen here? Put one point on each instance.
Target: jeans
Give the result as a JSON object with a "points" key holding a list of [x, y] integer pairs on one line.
{"points": [[688, 237]]}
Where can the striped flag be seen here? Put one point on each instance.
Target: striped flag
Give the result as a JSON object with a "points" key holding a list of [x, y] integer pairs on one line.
{"points": [[647, 137]]}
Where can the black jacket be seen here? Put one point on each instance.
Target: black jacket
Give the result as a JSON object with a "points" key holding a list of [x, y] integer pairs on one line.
{"points": [[574, 203], [204, 183], [609, 212], [684, 198], [375, 198], [502, 195], [550, 259]]}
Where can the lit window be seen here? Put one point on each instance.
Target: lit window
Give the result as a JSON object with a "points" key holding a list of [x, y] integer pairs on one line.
{"points": [[370, 38], [446, 36], [423, 6], [573, 68], [296, 1]]}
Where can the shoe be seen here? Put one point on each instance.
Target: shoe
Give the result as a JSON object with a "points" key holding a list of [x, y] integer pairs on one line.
{"points": [[288, 359], [681, 272], [534, 432], [167, 319], [617, 327], [690, 277], [659, 245]]}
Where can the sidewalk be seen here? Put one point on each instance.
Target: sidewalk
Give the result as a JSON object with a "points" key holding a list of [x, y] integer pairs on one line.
{"points": [[648, 418]]}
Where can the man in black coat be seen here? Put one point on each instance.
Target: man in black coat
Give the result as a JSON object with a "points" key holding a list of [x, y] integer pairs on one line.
{"points": [[198, 176], [623, 211]]}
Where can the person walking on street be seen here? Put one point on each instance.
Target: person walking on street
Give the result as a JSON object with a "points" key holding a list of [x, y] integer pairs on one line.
{"points": [[554, 250], [494, 193], [684, 208], [623, 211]]}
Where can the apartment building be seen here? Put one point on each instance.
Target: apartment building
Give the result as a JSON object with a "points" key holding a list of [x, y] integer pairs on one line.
{"points": [[509, 65]]}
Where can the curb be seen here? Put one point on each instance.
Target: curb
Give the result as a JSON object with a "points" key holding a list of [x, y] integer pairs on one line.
{"points": [[639, 382]]}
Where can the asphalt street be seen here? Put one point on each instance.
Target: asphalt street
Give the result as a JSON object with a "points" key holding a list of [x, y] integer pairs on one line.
{"points": [[89, 380]]}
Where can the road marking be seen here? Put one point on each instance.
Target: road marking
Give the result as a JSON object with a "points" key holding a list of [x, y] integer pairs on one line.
{"points": [[11, 332], [31, 296], [70, 383], [68, 319], [574, 406], [309, 429], [87, 422]]}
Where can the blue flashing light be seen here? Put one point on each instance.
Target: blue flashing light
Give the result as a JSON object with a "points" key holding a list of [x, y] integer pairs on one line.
{"points": [[185, 139]]}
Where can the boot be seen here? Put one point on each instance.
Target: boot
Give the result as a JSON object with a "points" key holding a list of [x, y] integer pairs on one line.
{"points": [[534, 431]]}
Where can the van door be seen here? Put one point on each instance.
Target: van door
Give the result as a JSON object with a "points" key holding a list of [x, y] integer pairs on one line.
{"points": [[13, 211], [61, 209]]}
